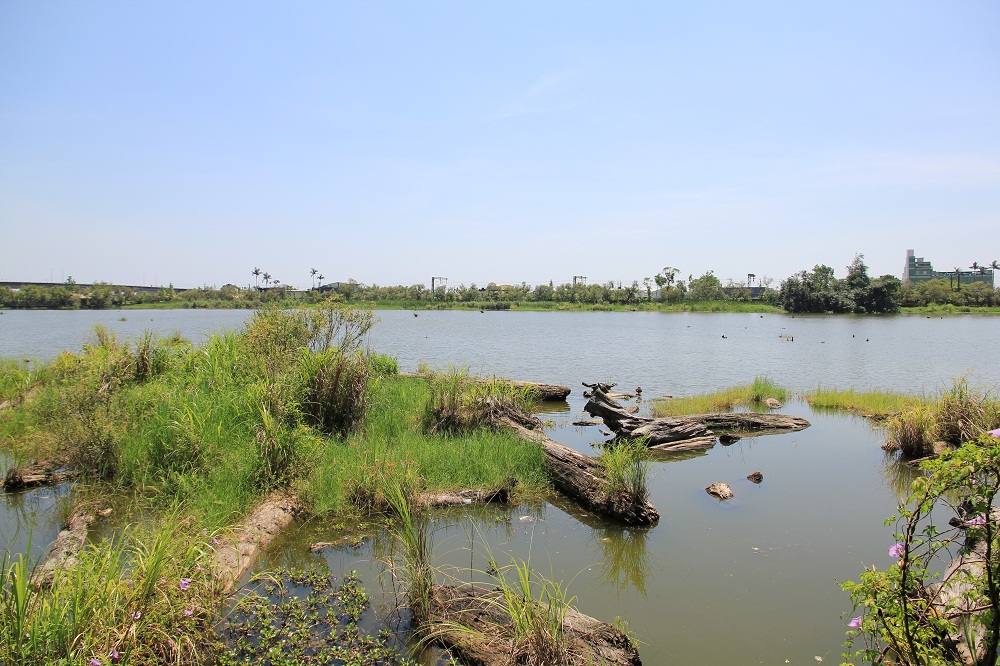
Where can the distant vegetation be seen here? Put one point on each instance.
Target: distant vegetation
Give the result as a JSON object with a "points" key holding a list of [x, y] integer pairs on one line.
{"points": [[817, 290]]}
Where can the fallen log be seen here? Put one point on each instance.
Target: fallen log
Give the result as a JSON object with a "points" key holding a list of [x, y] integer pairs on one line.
{"points": [[42, 473], [693, 444], [234, 556], [751, 422], [463, 497], [475, 624], [666, 430], [626, 424], [62, 554], [583, 478], [546, 392]]}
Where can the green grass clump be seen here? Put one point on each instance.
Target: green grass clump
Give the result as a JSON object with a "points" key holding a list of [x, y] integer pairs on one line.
{"points": [[746, 396], [393, 443], [145, 597], [627, 471], [460, 403], [872, 404]]}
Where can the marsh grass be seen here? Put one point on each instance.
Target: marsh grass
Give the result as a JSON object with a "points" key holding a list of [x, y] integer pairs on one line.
{"points": [[393, 443], [144, 597], [746, 396], [537, 607], [872, 404], [460, 403], [914, 423], [337, 391], [626, 468]]}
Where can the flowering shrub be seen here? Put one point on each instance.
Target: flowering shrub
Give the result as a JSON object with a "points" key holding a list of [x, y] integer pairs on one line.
{"points": [[938, 603]]}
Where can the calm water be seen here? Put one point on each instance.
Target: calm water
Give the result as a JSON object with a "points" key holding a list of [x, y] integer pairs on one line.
{"points": [[752, 580]]}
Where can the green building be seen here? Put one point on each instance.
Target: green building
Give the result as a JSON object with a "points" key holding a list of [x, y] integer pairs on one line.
{"points": [[918, 270]]}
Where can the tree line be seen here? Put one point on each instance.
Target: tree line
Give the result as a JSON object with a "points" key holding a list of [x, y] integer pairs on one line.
{"points": [[815, 290]]}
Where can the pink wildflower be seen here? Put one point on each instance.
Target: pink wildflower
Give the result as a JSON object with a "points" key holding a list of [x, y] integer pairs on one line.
{"points": [[896, 550], [185, 583], [188, 612], [855, 622], [94, 661]]}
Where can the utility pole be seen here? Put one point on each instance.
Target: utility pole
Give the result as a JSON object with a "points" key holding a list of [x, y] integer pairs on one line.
{"points": [[582, 279], [433, 281]]}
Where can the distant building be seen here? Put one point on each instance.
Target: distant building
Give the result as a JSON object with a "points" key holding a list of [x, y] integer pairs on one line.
{"points": [[918, 270]]}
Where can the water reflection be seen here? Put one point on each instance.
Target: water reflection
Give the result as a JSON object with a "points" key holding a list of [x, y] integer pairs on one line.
{"points": [[625, 560], [898, 475]]}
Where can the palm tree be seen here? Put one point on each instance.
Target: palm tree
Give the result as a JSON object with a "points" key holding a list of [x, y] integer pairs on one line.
{"points": [[313, 272], [320, 278], [267, 279], [256, 274], [995, 266], [958, 277]]}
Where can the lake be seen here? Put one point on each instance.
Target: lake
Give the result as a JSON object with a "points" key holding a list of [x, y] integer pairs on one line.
{"points": [[751, 580]]}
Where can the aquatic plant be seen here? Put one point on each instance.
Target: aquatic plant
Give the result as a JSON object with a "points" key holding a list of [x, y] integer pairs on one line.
{"points": [[303, 616], [872, 404]]}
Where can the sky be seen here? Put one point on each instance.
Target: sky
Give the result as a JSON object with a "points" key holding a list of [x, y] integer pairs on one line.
{"points": [[388, 142]]}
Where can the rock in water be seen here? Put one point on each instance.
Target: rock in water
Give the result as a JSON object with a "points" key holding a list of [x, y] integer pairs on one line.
{"points": [[720, 490], [756, 477], [773, 403], [729, 438]]}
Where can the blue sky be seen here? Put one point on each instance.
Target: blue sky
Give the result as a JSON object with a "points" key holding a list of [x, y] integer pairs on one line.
{"points": [[189, 142]]}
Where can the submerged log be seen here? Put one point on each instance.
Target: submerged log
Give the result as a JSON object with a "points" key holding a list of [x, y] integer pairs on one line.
{"points": [[474, 623], [751, 422], [42, 473], [546, 392], [499, 495], [62, 554], [583, 478], [235, 556]]}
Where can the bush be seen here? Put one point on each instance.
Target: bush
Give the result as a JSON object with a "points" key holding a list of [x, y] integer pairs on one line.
{"points": [[337, 394], [459, 403]]}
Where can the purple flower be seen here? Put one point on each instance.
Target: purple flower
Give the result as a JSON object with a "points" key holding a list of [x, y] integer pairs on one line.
{"points": [[995, 433], [170, 643], [94, 661], [896, 550], [136, 615], [188, 612], [978, 520], [114, 655], [215, 542], [185, 583], [855, 622]]}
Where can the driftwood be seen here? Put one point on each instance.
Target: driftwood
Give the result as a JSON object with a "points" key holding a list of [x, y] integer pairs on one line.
{"points": [[62, 554], [42, 473], [473, 622], [462, 497], [720, 490], [546, 392], [582, 478], [751, 422], [235, 556], [656, 431], [663, 431]]}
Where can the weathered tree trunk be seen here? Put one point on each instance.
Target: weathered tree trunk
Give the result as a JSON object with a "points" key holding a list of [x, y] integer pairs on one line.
{"points": [[474, 623], [753, 422], [499, 495], [62, 554], [657, 431], [42, 473], [235, 556], [582, 478], [546, 392], [664, 431]]}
